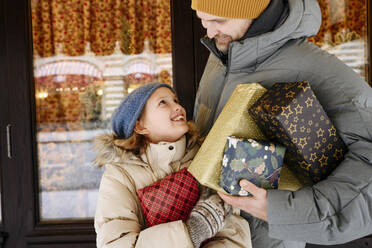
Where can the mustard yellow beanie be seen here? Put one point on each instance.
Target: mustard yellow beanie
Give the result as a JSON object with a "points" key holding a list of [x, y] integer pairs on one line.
{"points": [[239, 9]]}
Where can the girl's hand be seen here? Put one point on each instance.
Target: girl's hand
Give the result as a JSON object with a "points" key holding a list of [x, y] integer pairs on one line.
{"points": [[255, 205]]}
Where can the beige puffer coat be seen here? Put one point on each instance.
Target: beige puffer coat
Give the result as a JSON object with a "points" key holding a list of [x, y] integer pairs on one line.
{"points": [[119, 221]]}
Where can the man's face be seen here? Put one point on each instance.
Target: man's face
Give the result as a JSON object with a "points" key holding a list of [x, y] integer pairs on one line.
{"points": [[224, 30]]}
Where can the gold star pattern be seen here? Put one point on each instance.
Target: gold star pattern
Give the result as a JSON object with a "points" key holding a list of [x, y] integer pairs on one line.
{"points": [[332, 131], [275, 108], [294, 100], [290, 94], [338, 154], [298, 109], [286, 111], [305, 165], [330, 146], [292, 128], [316, 179], [310, 123], [313, 157], [320, 132], [308, 130], [323, 160], [317, 145], [302, 129], [304, 85], [295, 119], [324, 140], [288, 86], [294, 140], [309, 102], [302, 143], [322, 118]]}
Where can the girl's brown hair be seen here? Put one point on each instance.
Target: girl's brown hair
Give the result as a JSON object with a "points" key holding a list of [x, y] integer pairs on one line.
{"points": [[135, 143]]}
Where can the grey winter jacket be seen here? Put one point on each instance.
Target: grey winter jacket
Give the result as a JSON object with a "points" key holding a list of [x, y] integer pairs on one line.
{"points": [[335, 210]]}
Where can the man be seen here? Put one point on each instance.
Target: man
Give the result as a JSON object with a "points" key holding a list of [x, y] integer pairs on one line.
{"points": [[265, 41]]}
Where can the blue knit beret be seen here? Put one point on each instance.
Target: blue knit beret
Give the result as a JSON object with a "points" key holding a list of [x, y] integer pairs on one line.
{"points": [[126, 115]]}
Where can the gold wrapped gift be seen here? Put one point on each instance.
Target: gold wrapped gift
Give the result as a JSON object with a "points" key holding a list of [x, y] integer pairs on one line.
{"points": [[288, 181], [234, 120]]}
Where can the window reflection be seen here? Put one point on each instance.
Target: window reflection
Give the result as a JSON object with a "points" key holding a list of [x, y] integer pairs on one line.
{"points": [[344, 32], [75, 98], [88, 55]]}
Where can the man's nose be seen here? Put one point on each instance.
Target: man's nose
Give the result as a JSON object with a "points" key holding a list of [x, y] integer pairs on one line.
{"points": [[211, 30]]}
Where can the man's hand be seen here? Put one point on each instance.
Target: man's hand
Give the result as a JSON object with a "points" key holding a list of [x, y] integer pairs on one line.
{"points": [[255, 205]]}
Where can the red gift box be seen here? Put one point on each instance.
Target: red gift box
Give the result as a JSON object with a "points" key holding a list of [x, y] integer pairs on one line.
{"points": [[169, 199]]}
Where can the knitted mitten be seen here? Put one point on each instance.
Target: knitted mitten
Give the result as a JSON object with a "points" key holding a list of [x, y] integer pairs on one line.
{"points": [[207, 218]]}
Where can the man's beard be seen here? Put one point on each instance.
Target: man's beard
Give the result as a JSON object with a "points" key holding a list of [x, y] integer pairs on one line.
{"points": [[222, 42]]}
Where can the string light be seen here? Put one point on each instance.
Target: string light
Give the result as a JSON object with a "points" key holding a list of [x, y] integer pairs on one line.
{"points": [[42, 95]]}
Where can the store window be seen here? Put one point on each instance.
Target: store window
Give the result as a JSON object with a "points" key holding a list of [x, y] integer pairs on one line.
{"points": [[88, 55]]}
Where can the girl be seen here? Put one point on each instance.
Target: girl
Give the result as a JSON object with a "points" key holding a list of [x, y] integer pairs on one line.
{"points": [[151, 139]]}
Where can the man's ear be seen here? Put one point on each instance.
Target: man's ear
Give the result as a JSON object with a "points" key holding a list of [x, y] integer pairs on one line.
{"points": [[140, 129]]}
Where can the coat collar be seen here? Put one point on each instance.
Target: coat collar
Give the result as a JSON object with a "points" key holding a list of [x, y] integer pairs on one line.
{"points": [[164, 153]]}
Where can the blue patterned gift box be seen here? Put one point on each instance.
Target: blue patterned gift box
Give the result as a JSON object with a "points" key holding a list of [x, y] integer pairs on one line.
{"points": [[258, 161]]}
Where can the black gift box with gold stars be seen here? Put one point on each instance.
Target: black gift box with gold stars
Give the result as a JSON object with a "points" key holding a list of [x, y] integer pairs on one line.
{"points": [[290, 114]]}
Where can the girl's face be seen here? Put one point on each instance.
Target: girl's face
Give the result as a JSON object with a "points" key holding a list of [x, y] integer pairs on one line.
{"points": [[163, 118]]}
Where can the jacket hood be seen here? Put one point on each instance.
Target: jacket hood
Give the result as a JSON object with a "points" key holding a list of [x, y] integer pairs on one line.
{"points": [[110, 153], [303, 21]]}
